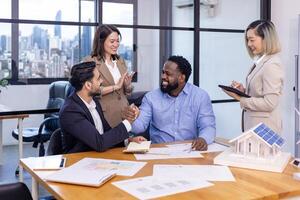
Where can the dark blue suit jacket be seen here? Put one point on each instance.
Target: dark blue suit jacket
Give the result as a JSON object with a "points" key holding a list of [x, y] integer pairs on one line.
{"points": [[79, 131]]}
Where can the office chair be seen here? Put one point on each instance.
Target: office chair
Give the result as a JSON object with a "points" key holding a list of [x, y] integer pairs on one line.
{"points": [[58, 91], [55, 146], [15, 191], [136, 98]]}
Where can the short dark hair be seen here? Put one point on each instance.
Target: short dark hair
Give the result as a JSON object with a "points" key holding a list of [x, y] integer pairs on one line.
{"points": [[183, 65], [80, 73], [100, 36]]}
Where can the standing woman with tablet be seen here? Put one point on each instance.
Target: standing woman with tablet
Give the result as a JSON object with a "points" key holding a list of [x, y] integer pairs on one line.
{"points": [[116, 81], [264, 82]]}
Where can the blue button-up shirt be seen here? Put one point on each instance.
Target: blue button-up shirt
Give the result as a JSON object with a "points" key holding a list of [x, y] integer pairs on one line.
{"points": [[185, 117]]}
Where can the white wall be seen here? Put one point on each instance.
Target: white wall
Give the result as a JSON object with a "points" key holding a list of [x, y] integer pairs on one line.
{"points": [[285, 17], [18, 97]]}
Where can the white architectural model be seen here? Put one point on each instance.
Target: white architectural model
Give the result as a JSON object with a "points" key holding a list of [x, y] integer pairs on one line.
{"points": [[257, 148]]}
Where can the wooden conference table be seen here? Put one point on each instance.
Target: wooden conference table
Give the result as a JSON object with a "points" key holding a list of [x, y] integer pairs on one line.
{"points": [[249, 184]]}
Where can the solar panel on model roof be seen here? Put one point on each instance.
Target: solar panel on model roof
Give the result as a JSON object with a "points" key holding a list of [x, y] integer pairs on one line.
{"points": [[268, 135]]}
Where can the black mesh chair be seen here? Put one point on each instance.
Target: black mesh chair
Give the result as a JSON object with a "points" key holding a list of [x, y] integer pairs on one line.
{"points": [[58, 91], [14, 191]]}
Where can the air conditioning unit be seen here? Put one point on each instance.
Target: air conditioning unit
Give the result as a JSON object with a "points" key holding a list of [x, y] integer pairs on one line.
{"points": [[209, 4]]}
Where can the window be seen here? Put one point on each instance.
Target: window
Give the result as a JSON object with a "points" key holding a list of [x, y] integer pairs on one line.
{"points": [[5, 9], [223, 56], [122, 12], [49, 36], [5, 50], [52, 10]]}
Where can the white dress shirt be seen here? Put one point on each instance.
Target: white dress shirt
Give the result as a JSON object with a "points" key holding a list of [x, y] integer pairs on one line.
{"points": [[257, 60], [114, 70], [96, 117]]}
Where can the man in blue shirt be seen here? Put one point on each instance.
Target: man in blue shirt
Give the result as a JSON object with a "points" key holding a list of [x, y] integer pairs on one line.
{"points": [[178, 110]]}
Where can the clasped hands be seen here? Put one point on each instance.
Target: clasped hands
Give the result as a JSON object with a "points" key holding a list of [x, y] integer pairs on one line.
{"points": [[130, 113]]}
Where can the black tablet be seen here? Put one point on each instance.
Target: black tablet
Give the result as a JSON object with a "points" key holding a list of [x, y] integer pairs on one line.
{"points": [[234, 90]]}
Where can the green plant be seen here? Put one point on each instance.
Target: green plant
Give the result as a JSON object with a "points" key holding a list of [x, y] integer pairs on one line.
{"points": [[3, 83]]}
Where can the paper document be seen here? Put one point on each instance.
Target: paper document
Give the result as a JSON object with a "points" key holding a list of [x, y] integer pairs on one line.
{"points": [[167, 153], [135, 147], [214, 147], [47, 162], [203, 172], [121, 167], [150, 187], [81, 176]]}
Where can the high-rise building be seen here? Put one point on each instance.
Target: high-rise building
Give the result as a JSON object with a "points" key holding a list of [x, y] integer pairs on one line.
{"points": [[57, 28], [3, 43], [86, 41]]}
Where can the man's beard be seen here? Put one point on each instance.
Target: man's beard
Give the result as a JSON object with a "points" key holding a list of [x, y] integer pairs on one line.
{"points": [[95, 93], [169, 88]]}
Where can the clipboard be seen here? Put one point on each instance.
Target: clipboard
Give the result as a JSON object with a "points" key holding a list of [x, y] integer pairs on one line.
{"points": [[234, 90]]}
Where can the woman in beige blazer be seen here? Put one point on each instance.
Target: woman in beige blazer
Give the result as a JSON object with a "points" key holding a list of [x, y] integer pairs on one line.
{"points": [[264, 82], [116, 81]]}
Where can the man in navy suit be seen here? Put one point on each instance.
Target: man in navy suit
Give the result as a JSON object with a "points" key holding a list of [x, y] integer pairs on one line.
{"points": [[81, 118]]}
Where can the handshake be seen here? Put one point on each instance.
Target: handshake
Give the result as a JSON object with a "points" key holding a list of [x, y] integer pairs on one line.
{"points": [[130, 113]]}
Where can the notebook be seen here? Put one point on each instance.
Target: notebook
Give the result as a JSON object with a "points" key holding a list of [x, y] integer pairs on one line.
{"points": [[82, 173], [234, 90], [134, 147]]}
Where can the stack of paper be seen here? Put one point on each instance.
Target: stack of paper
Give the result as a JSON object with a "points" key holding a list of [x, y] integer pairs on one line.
{"points": [[94, 171], [172, 179], [168, 153], [86, 177], [134, 147]]}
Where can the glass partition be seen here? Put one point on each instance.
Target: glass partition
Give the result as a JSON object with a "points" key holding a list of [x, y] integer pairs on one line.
{"points": [[53, 10], [223, 58], [5, 9], [229, 14]]}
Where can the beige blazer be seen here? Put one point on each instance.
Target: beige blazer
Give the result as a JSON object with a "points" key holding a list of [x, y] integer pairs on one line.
{"points": [[264, 84], [112, 103]]}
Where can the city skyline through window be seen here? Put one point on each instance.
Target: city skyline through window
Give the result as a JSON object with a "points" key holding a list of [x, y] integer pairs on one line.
{"points": [[50, 50]]}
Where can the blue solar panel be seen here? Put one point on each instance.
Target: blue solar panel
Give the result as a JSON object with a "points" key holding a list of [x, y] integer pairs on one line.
{"points": [[261, 133], [273, 139], [280, 142], [268, 135], [258, 129], [267, 129]]}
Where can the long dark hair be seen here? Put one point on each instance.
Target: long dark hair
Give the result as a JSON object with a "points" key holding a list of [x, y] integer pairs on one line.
{"points": [[100, 36]]}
